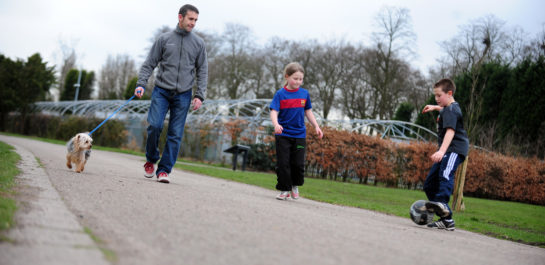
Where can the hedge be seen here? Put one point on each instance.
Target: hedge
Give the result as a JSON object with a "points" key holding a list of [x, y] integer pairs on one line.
{"points": [[111, 134], [343, 155], [347, 156]]}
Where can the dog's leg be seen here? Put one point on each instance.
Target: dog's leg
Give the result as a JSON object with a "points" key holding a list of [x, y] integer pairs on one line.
{"points": [[79, 168], [80, 162], [83, 165], [68, 162]]}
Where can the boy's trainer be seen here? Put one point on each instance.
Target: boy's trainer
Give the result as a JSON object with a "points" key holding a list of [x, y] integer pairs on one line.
{"points": [[149, 170], [447, 224], [284, 195], [438, 208], [163, 177]]}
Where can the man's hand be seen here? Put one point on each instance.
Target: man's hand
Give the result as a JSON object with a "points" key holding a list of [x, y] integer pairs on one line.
{"points": [[139, 92], [196, 103]]}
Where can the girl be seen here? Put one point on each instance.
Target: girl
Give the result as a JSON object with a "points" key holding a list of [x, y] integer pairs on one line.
{"points": [[288, 109]]}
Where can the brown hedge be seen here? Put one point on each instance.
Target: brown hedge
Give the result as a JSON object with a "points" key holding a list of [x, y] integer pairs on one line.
{"points": [[343, 156], [495, 176]]}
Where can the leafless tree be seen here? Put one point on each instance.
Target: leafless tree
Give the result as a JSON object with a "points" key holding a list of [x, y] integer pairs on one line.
{"points": [[276, 56], [418, 89], [479, 41], [215, 82], [328, 66], [234, 62], [68, 62], [536, 46], [388, 78], [115, 75], [395, 35], [356, 92], [385, 61], [257, 81], [512, 48], [213, 43], [304, 52]]}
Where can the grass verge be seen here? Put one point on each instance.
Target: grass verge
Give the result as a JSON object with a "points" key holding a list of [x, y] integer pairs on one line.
{"points": [[8, 169], [505, 220], [108, 253]]}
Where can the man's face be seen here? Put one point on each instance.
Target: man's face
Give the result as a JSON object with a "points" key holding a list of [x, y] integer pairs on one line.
{"points": [[188, 22]]}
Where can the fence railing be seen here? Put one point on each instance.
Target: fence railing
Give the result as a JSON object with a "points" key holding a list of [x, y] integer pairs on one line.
{"points": [[254, 111]]}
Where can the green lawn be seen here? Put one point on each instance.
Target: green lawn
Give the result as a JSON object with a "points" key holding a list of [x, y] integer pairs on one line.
{"points": [[506, 220], [8, 169]]}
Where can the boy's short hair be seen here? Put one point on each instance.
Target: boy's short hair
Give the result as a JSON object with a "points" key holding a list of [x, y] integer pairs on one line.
{"points": [[446, 85], [187, 7]]}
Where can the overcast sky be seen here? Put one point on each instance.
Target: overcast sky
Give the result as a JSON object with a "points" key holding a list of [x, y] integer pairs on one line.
{"points": [[97, 28]]}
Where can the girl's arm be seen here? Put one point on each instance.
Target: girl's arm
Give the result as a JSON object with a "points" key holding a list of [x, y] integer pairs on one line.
{"points": [[274, 118], [312, 120]]}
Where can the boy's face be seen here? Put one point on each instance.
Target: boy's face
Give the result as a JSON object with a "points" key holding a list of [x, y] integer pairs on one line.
{"points": [[295, 80], [443, 99]]}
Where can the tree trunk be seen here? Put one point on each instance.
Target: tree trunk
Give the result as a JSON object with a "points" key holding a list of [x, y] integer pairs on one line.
{"points": [[458, 195], [3, 120]]}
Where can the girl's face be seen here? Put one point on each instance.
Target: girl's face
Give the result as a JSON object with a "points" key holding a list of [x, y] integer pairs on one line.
{"points": [[443, 99], [295, 80]]}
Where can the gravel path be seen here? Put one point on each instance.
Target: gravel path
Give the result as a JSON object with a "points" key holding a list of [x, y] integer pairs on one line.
{"points": [[203, 220]]}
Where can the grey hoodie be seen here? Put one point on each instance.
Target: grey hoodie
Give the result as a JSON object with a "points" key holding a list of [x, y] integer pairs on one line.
{"points": [[179, 54]]}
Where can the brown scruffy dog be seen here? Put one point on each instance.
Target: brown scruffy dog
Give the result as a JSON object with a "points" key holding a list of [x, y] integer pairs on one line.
{"points": [[79, 150]]}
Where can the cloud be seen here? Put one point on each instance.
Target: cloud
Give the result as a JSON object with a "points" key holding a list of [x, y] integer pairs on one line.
{"points": [[116, 27]]}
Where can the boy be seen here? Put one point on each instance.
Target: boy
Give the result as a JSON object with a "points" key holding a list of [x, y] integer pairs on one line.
{"points": [[453, 148]]}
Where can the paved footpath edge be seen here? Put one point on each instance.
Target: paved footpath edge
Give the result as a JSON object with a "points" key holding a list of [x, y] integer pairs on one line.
{"points": [[45, 231]]}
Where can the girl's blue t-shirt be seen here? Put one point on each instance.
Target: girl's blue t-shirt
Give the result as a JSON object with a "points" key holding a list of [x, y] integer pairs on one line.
{"points": [[291, 106]]}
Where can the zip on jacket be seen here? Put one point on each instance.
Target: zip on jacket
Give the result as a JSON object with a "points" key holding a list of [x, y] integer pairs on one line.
{"points": [[181, 57]]}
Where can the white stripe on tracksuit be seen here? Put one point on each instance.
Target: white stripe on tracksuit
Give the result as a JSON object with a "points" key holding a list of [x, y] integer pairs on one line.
{"points": [[451, 160]]}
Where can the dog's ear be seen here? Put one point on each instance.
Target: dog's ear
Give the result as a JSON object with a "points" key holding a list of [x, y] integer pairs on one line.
{"points": [[77, 137]]}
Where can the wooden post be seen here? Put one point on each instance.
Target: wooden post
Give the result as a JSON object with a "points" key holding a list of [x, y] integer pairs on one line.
{"points": [[458, 194]]}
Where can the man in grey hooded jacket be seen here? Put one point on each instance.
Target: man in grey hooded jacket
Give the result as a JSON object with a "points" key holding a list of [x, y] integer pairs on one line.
{"points": [[181, 55]]}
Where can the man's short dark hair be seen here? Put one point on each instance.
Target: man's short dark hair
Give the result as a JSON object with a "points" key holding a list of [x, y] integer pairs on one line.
{"points": [[446, 85], [187, 7]]}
